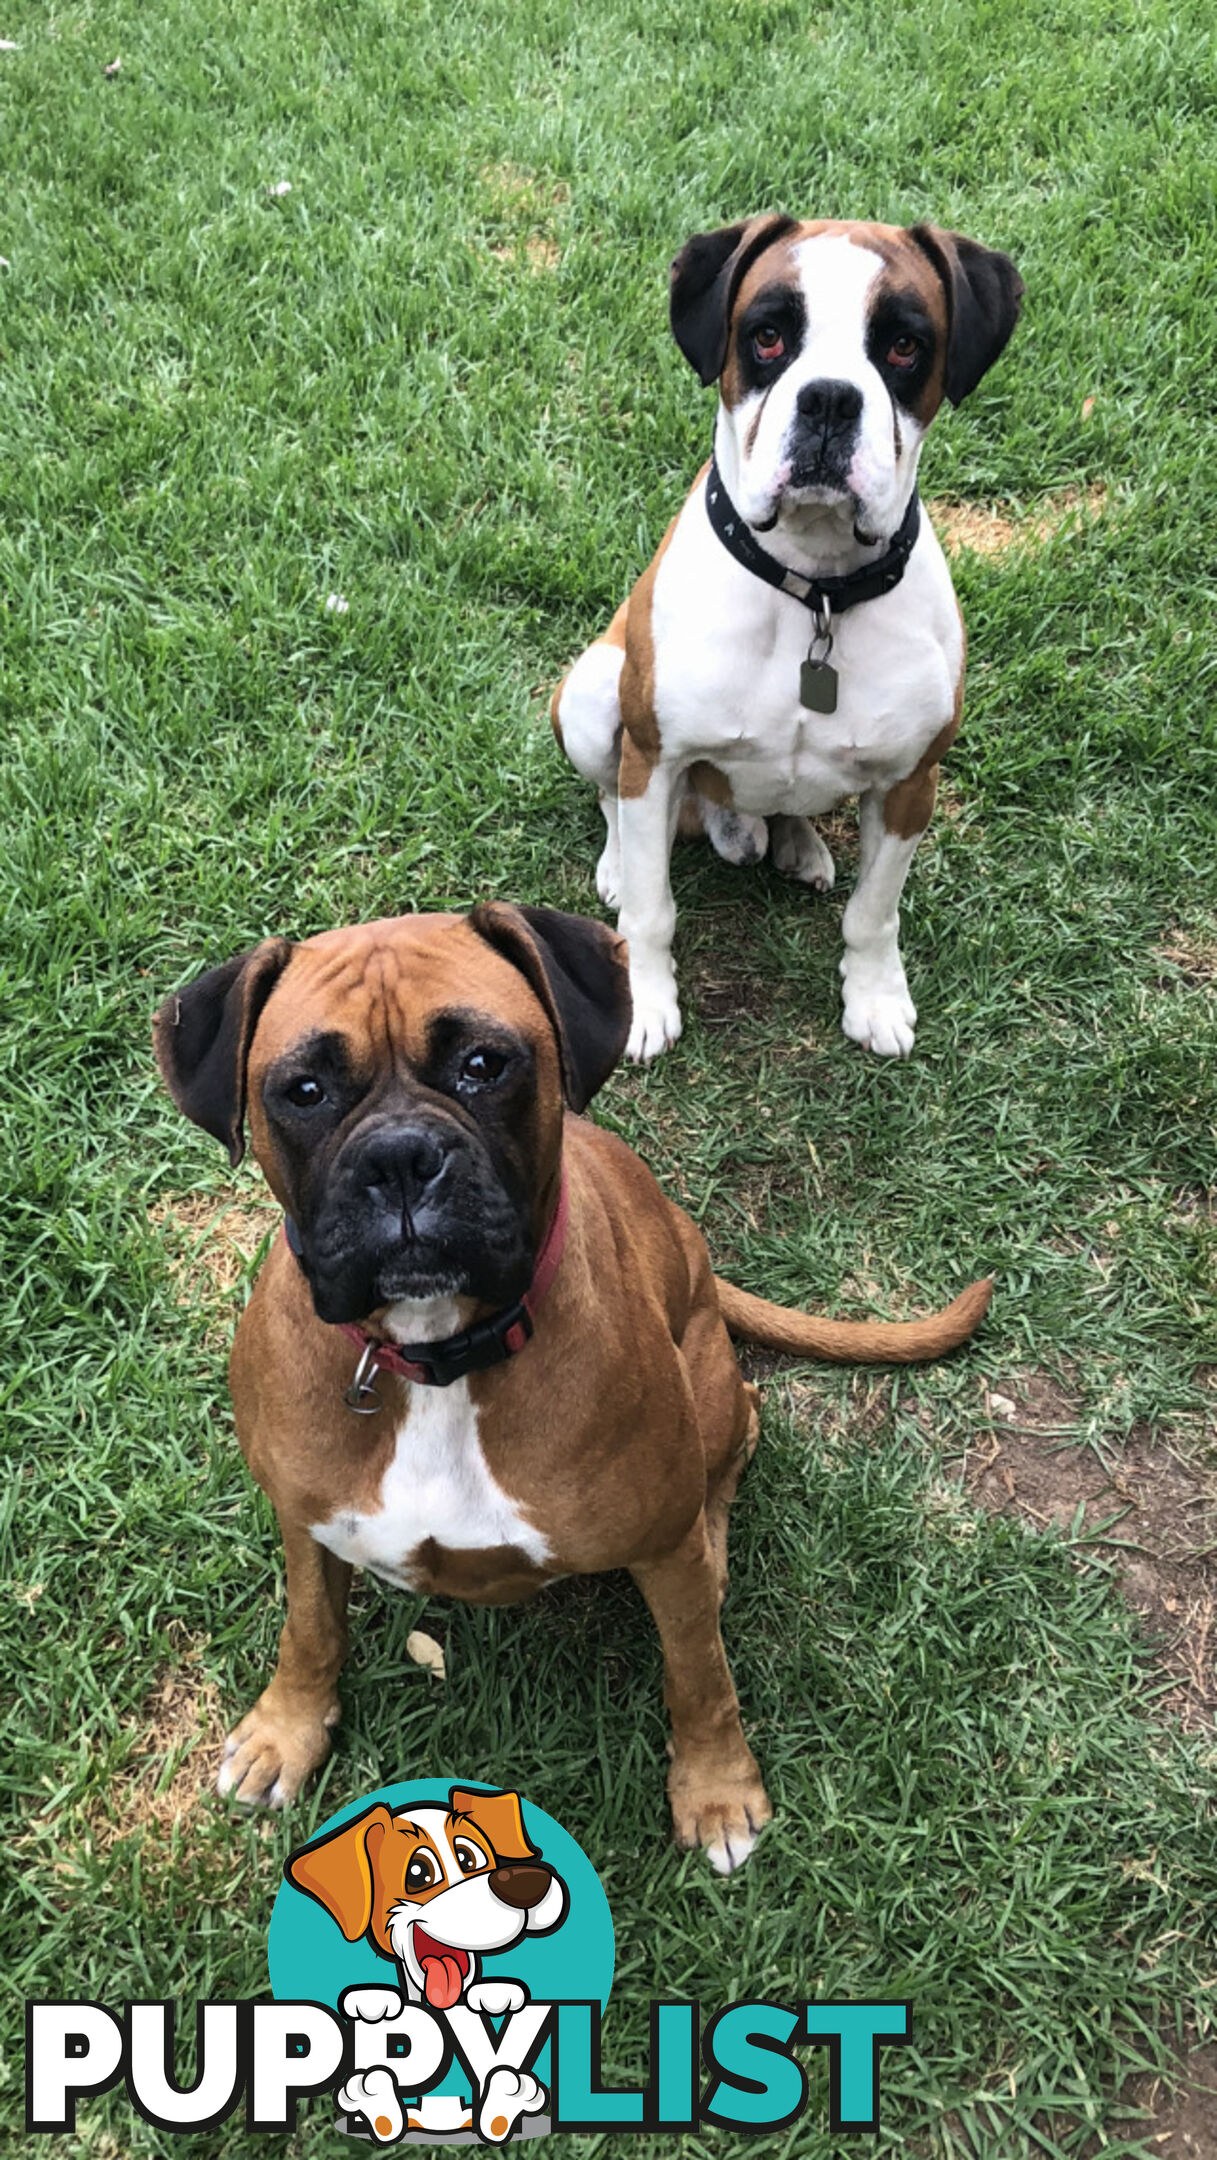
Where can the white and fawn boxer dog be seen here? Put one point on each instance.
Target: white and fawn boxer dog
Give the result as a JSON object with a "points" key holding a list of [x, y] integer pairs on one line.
{"points": [[796, 640], [435, 1890], [533, 1332]]}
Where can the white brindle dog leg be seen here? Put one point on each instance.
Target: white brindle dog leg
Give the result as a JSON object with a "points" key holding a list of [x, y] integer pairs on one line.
{"points": [[508, 2095], [608, 869], [647, 920], [879, 1013]]}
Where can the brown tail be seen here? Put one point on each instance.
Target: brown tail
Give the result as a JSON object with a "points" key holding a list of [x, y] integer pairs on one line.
{"points": [[854, 1342]]}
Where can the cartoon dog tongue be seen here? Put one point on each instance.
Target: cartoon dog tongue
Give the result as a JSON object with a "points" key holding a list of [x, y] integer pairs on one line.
{"points": [[442, 1972]]}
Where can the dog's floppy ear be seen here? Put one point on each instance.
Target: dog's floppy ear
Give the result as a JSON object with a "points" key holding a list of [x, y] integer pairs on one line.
{"points": [[203, 1034], [340, 1870], [984, 293], [498, 1814], [580, 971], [706, 277]]}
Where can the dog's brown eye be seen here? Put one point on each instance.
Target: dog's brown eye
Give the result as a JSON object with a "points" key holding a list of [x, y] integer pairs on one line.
{"points": [[482, 1066], [468, 1858], [902, 352], [768, 342], [421, 1873], [304, 1093]]}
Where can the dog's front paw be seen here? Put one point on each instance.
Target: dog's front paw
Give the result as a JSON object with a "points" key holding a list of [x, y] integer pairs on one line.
{"points": [[508, 2094], [723, 1811], [373, 2094], [372, 2005], [879, 1013], [498, 1997], [656, 1023], [269, 1756]]}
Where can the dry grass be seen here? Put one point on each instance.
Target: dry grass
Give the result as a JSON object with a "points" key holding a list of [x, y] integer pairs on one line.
{"points": [[1192, 952], [177, 1733], [980, 529], [209, 1245]]}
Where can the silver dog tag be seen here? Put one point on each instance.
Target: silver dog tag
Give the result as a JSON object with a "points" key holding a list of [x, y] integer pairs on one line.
{"points": [[818, 686]]}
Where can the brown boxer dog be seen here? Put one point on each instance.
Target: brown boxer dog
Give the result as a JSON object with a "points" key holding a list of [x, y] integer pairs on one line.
{"points": [[486, 1351]]}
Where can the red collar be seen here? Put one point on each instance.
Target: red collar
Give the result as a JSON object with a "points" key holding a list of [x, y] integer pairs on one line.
{"points": [[487, 1342]]}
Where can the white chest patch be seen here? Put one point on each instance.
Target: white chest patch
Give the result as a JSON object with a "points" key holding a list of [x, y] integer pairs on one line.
{"points": [[437, 1485]]}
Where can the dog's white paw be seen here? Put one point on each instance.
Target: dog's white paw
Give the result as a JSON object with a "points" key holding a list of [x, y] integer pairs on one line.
{"points": [[372, 2005], [656, 1023], [373, 2094], [734, 834], [508, 2094], [799, 852], [498, 1997], [879, 1013]]}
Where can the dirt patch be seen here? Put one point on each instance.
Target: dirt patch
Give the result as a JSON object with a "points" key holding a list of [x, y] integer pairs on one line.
{"points": [[1176, 2118], [981, 529], [178, 1732], [210, 1245], [1151, 1509], [524, 208], [1192, 953], [538, 252]]}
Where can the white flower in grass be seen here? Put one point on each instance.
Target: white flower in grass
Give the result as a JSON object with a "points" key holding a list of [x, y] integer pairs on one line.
{"points": [[279, 187], [337, 604]]}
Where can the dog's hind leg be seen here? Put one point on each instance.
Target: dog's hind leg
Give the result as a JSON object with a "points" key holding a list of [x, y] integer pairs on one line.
{"points": [[586, 714], [799, 852], [723, 1491]]}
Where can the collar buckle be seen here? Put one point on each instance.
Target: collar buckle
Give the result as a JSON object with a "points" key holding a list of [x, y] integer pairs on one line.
{"points": [[476, 1349]]}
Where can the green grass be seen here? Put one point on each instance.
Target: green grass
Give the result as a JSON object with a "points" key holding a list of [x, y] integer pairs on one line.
{"points": [[435, 377]]}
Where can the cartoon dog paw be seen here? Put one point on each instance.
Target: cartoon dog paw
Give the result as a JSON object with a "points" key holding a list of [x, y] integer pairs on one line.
{"points": [[508, 2095], [498, 1997], [370, 2004], [373, 2094]]}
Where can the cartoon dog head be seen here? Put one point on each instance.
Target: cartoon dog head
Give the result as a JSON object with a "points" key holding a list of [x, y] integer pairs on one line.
{"points": [[833, 346], [434, 1888]]}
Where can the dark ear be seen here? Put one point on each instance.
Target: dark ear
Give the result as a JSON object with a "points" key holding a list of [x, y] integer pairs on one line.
{"points": [[984, 293], [706, 277], [202, 1036], [580, 971]]}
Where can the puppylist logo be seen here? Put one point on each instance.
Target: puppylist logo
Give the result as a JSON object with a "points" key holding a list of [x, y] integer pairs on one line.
{"points": [[441, 1958]]}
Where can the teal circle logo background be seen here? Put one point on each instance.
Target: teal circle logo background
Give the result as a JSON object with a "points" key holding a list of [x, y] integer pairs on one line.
{"points": [[311, 1960]]}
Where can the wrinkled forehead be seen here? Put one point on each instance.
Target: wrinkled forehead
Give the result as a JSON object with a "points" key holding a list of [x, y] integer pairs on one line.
{"points": [[383, 983], [841, 271]]}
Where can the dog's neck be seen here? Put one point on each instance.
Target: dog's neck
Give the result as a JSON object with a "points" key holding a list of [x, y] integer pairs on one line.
{"points": [[813, 538]]}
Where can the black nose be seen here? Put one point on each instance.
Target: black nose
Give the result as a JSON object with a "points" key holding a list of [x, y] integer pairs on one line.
{"points": [[829, 404], [522, 1887], [400, 1164]]}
